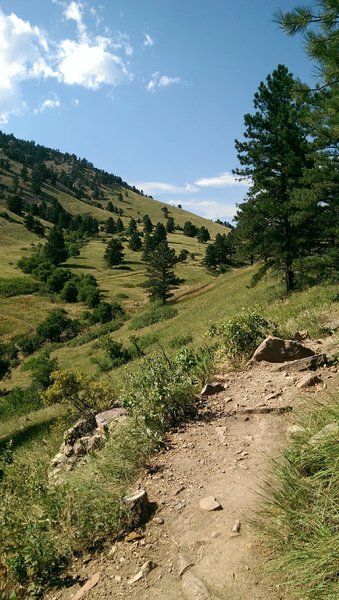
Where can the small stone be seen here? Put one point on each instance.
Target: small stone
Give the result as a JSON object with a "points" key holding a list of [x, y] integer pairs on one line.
{"points": [[183, 564], [179, 490], [117, 578], [228, 399], [295, 430], [215, 534], [146, 568], [212, 388], [236, 527], [209, 504], [308, 381], [194, 588], [87, 587], [133, 536], [158, 520]]}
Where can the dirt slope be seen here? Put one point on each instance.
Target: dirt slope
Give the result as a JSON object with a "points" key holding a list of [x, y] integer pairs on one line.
{"points": [[223, 453]]}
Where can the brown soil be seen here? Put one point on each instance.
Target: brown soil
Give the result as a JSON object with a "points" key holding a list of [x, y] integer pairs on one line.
{"points": [[225, 453]]}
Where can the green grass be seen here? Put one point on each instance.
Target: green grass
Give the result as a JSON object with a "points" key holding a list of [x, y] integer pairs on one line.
{"points": [[300, 516]]}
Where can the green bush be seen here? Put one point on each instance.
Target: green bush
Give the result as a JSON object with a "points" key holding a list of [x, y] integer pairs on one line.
{"points": [[41, 367], [57, 325], [181, 340], [116, 352], [18, 402], [239, 336], [154, 314], [58, 278], [18, 286], [69, 292], [159, 394], [106, 312], [29, 343]]}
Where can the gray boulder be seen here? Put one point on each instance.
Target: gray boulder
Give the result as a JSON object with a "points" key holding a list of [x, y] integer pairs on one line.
{"points": [[212, 388], [310, 363], [277, 350]]}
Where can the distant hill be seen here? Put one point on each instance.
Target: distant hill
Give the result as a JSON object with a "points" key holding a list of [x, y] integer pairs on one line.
{"points": [[38, 174]]}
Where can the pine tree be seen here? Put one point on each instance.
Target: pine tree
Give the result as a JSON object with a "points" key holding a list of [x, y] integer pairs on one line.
{"points": [[110, 225], [135, 242], [160, 277], [160, 234], [132, 226], [55, 249], [148, 225], [203, 234], [170, 225], [119, 225], [189, 229], [114, 253], [274, 155]]}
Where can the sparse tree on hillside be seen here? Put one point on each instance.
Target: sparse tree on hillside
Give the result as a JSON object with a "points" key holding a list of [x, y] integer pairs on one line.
{"points": [[170, 225], [114, 253], [203, 234], [160, 234], [110, 225], [135, 242], [189, 229], [55, 249], [160, 277], [132, 226], [119, 225], [148, 225]]}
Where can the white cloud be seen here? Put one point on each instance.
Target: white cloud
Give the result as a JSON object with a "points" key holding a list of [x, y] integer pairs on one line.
{"points": [[26, 54], [23, 55], [224, 180], [48, 104], [159, 81], [154, 187], [211, 209], [73, 12], [148, 42], [90, 65]]}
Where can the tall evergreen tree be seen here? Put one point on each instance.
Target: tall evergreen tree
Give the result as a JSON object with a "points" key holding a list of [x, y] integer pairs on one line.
{"points": [[170, 225], [135, 241], [160, 277], [148, 225], [114, 253], [119, 225], [110, 225], [274, 155], [55, 249], [132, 226], [160, 234]]}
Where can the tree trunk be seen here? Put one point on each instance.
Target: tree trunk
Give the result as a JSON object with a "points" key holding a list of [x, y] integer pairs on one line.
{"points": [[289, 277]]}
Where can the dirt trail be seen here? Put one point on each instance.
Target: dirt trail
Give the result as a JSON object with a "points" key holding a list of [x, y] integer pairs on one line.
{"points": [[222, 453]]}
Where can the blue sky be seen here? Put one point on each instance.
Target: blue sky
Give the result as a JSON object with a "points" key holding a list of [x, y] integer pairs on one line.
{"points": [[151, 90]]}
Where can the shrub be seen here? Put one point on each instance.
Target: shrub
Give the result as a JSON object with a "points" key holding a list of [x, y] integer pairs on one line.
{"points": [[56, 325], [58, 278], [29, 343], [241, 334], [181, 340], [41, 367], [154, 314], [18, 286], [78, 392], [116, 352], [89, 295], [19, 401], [105, 312], [69, 292], [159, 394], [198, 365]]}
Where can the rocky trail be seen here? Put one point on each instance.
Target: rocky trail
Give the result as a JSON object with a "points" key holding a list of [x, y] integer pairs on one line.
{"points": [[199, 544]]}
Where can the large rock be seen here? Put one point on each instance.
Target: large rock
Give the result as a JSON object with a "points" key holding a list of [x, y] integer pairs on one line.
{"points": [[107, 419], [310, 363], [277, 350], [332, 326], [330, 431], [209, 504]]}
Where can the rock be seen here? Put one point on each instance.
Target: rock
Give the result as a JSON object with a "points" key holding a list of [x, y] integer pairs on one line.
{"points": [[331, 326], [212, 388], [295, 430], [274, 349], [310, 363], [308, 381], [329, 431], [133, 536], [236, 527], [209, 503], [139, 507], [146, 568], [87, 587], [272, 396], [299, 336], [158, 520], [80, 429], [220, 433], [194, 588], [107, 419], [183, 564], [227, 399]]}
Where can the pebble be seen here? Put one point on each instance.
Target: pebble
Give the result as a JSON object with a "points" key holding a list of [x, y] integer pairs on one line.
{"points": [[209, 504], [236, 527]]}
